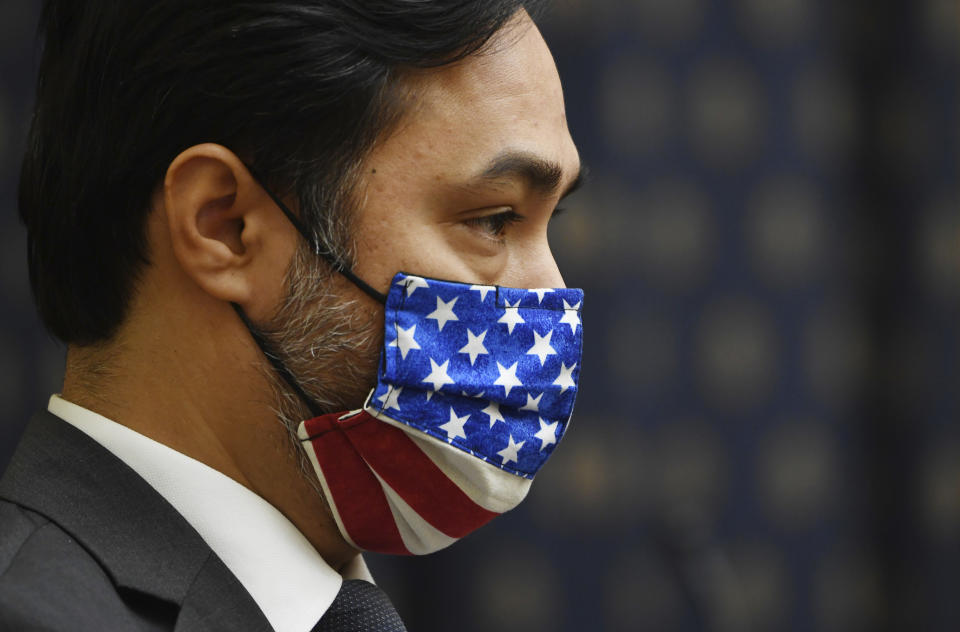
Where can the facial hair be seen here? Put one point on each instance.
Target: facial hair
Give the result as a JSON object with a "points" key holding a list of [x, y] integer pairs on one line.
{"points": [[328, 335]]}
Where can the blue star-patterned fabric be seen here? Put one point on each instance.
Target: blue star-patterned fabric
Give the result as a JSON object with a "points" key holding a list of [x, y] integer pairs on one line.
{"points": [[490, 370]]}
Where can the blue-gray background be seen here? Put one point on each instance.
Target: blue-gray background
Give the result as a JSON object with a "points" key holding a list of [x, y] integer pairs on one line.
{"points": [[768, 432]]}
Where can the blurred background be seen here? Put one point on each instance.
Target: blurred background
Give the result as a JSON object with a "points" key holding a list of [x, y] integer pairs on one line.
{"points": [[768, 431]]}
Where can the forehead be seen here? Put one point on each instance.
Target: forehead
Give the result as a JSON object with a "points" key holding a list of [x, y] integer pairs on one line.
{"points": [[506, 96]]}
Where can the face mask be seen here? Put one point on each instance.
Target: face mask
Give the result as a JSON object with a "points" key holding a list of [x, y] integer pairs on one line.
{"points": [[475, 387]]}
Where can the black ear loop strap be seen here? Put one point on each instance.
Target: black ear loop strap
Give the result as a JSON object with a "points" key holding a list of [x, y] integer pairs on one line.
{"points": [[337, 265], [334, 262], [276, 363]]}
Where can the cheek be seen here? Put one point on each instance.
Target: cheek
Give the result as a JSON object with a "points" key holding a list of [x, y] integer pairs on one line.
{"points": [[438, 247], [397, 243]]}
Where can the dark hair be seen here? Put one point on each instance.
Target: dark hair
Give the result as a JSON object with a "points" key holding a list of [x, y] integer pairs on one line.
{"points": [[298, 89]]}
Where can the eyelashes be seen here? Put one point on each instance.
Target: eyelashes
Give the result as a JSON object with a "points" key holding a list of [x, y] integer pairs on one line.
{"points": [[495, 225]]}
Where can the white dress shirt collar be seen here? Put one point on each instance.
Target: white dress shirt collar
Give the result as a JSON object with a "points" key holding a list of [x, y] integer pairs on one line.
{"points": [[276, 564]]}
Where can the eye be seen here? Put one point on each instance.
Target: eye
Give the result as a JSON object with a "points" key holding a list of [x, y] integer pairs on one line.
{"points": [[495, 225]]}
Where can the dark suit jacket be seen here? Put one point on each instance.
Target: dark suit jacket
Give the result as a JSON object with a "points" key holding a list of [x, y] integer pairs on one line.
{"points": [[87, 544]]}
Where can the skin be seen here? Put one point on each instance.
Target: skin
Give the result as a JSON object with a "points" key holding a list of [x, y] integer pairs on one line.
{"points": [[184, 371]]}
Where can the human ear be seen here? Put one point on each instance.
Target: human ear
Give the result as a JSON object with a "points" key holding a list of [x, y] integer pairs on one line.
{"points": [[226, 233]]}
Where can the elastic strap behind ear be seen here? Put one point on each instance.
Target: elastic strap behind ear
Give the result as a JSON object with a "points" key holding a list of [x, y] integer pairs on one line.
{"points": [[326, 255], [277, 363]]}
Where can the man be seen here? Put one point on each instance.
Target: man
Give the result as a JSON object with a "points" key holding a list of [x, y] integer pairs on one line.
{"points": [[209, 190]]}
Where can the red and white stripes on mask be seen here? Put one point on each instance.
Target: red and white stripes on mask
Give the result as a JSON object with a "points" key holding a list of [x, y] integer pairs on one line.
{"points": [[394, 489]]}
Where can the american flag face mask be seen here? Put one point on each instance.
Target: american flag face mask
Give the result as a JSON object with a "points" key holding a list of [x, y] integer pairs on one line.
{"points": [[475, 387]]}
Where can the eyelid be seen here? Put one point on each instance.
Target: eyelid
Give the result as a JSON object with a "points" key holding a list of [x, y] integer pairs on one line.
{"points": [[493, 225]]}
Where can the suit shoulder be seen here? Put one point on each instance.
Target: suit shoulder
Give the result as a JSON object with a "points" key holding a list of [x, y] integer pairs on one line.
{"points": [[49, 581]]}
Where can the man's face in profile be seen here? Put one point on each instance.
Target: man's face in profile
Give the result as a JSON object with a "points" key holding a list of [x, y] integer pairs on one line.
{"points": [[463, 189], [392, 157]]}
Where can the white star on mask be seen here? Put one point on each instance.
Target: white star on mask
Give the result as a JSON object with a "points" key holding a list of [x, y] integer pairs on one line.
{"points": [[438, 376], [454, 427], [509, 453], [570, 316], [541, 346], [405, 340], [547, 434], [565, 379], [444, 312], [474, 346], [493, 412], [511, 317], [540, 291], [533, 403], [413, 282], [508, 378], [483, 289], [389, 399]]}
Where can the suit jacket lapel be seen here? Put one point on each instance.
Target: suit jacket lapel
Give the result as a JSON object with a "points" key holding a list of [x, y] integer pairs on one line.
{"points": [[137, 536], [214, 603]]}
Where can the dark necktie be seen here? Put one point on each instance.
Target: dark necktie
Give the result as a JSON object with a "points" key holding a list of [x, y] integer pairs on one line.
{"points": [[360, 607]]}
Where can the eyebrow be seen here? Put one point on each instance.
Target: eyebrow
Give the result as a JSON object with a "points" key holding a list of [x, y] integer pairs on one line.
{"points": [[541, 175]]}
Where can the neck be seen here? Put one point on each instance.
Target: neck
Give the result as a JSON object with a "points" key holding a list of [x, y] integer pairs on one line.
{"points": [[205, 394]]}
